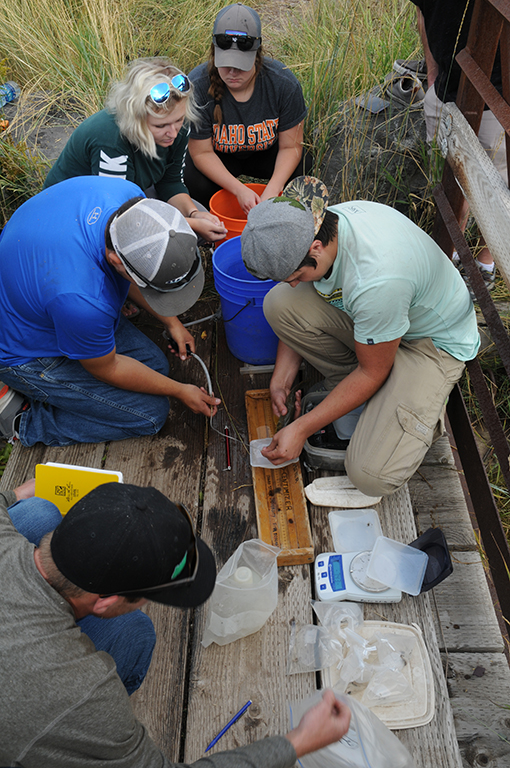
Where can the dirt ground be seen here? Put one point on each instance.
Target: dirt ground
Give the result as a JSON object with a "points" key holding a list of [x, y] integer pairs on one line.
{"points": [[45, 129]]}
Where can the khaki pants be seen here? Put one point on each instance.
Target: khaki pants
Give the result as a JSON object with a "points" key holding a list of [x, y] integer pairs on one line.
{"points": [[402, 420]]}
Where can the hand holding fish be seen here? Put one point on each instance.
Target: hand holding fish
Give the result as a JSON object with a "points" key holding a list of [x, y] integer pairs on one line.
{"points": [[286, 404]]}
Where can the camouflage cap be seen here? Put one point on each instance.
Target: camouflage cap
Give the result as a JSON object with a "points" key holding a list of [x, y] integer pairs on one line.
{"points": [[280, 231]]}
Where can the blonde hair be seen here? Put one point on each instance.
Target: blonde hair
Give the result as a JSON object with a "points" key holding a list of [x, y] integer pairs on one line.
{"points": [[129, 100]]}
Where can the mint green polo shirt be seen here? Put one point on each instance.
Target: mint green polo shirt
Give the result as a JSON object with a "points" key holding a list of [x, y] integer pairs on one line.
{"points": [[394, 281]]}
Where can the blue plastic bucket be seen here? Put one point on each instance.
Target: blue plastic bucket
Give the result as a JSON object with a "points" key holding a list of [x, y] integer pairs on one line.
{"points": [[250, 338]]}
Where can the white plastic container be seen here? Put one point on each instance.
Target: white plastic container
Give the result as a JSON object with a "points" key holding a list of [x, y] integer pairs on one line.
{"points": [[354, 530], [411, 713], [258, 460]]}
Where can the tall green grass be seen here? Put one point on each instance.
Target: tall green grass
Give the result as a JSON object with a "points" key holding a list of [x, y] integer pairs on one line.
{"points": [[68, 51], [340, 49]]}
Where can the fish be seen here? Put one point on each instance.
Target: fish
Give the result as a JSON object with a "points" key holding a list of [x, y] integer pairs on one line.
{"points": [[290, 404]]}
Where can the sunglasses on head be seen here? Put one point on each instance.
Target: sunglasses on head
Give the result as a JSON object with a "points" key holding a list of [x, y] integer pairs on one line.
{"points": [[190, 561], [243, 41], [161, 92]]}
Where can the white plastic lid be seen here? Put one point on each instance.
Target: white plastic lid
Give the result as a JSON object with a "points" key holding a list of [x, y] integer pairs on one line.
{"points": [[397, 565]]}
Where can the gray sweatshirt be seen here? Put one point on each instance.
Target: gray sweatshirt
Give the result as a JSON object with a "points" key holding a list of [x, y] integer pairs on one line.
{"points": [[62, 704]]}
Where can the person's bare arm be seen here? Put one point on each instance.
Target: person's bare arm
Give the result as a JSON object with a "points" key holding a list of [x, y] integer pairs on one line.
{"points": [[322, 725], [432, 68], [173, 325], [203, 223], [290, 149], [208, 163], [285, 371], [374, 366], [127, 373]]}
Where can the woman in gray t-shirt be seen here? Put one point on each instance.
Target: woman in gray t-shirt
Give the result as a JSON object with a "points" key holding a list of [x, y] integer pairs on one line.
{"points": [[252, 114]]}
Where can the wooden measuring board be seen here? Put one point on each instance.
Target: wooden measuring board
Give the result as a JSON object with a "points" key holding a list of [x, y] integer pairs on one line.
{"points": [[282, 516]]}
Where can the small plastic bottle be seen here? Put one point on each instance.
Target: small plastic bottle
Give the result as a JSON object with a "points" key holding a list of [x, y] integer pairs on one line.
{"points": [[243, 577], [8, 92]]}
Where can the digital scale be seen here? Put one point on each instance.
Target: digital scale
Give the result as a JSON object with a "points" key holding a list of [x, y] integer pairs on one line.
{"points": [[342, 576]]}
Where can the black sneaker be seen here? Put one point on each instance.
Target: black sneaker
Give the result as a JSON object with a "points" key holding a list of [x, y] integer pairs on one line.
{"points": [[327, 438]]}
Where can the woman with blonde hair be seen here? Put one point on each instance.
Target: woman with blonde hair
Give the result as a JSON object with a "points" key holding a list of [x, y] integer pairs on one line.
{"points": [[142, 136], [251, 115]]}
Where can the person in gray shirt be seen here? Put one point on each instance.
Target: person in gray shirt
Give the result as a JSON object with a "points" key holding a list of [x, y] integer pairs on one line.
{"points": [[61, 697]]}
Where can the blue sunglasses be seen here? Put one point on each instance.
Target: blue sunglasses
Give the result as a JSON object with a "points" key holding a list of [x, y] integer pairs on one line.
{"points": [[161, 92]]}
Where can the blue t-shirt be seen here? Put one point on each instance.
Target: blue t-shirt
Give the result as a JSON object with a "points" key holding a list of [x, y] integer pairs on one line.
{"points": [[59, 296], [395, 282]]}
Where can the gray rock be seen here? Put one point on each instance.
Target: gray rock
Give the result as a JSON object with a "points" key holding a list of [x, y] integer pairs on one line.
{"points": [[381, 157]]}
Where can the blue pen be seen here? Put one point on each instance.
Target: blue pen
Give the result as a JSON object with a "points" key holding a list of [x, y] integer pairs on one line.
{"points": [[228, 725]]}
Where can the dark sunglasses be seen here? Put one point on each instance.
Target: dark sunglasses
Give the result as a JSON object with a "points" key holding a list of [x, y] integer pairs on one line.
{"points": [[190, 560], [161, 92], [244, 42]]}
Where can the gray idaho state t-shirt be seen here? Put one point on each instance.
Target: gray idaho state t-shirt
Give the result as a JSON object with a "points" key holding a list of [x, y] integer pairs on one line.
{"points": [[276, 105]]}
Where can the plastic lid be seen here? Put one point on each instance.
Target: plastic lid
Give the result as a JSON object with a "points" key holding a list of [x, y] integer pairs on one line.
{"points": [[397, 565]]}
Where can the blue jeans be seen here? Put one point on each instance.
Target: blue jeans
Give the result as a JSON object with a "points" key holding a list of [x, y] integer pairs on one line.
{"points": [[68, 405], [129, 639]]}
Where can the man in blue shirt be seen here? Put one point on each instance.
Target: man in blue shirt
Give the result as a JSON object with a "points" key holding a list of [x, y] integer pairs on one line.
{"points": [[68, 259]]}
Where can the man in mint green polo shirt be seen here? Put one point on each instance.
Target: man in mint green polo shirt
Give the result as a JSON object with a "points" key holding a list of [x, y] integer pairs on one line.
{"points": [[373, 303]]}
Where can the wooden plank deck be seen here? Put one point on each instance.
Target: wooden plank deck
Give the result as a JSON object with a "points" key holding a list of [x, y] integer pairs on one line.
{"points": [[191, 691]]}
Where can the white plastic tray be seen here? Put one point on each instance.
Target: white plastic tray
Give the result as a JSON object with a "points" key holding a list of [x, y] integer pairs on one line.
{"points": [[354, 530], [420, 709]]}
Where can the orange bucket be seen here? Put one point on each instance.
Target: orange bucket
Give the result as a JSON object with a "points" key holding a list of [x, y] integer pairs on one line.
{"points": [[224, 205]]}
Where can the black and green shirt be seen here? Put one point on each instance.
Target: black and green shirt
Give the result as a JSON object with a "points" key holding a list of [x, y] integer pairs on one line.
{"points": [[97, 148]]}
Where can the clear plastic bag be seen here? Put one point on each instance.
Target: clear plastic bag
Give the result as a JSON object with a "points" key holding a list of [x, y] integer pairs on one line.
{"points": [[337, 616], [387, 687], [368, 743], [394, 650], [312, 648], [245, 595]]}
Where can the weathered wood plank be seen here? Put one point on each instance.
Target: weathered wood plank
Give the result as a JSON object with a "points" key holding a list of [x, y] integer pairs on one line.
{"points": [[438, 501], [463, 611], [223, 678], [482, 185], [479, 688], [170, 461], [22, 461], [434, 744]]}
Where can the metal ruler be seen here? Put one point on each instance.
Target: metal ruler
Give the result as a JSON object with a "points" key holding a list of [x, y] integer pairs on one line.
{"points": [[282, 515]]}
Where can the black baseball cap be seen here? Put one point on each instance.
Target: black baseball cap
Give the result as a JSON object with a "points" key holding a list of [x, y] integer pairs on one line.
{"points": [[121, 539]]}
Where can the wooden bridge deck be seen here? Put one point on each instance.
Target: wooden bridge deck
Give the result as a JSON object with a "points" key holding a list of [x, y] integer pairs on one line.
{"points": [[191, 692]]}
